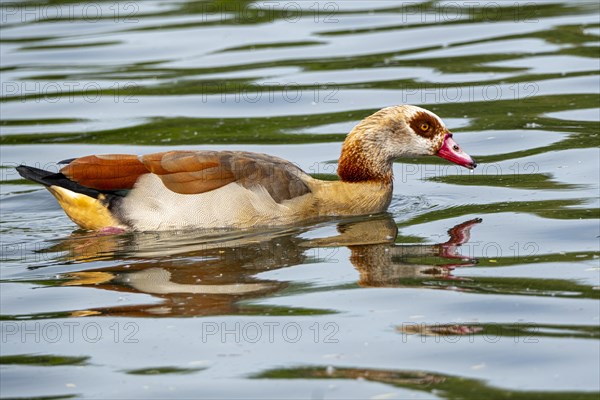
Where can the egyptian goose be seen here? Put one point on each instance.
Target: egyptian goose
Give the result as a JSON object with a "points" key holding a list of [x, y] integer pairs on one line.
{"points": [[235, 189]]}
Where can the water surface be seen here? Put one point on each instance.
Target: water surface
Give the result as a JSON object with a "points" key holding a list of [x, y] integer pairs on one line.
{"points": [[474, 285]]}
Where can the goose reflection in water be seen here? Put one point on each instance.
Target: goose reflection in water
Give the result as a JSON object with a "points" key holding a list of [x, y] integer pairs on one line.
{"points": [[209, 275]]}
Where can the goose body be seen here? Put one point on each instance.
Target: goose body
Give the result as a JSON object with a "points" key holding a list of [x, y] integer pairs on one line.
{"points": [[230, 189]]}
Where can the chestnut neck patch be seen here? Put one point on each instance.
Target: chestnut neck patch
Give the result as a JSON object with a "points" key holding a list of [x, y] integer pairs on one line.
{"points": [[355, 165], [425, 125]]}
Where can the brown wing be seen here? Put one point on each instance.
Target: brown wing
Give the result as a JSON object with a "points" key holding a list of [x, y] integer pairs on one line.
{"points": [[106, 172], [191, 172]]}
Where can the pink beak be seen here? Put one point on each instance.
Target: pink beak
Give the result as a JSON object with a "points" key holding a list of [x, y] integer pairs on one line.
{"points": [[453, 153]]}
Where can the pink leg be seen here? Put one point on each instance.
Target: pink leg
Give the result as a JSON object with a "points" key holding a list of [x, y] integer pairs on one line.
{"points": [[111, 230]]}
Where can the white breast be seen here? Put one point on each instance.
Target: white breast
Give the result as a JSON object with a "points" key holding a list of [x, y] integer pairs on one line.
{"points": [[150, 206]]}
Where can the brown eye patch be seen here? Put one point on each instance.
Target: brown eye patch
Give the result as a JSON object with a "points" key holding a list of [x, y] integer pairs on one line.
{"points": [[424, 125]]}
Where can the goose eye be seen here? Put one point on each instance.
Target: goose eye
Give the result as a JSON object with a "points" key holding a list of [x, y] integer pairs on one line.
{"points": [[424, 126]]}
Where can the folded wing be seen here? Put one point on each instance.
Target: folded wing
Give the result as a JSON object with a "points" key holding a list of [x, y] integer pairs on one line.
{"points": [[191, 172]]}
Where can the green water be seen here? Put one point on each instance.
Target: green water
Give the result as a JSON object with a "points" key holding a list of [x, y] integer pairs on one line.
{"points": [[479, 284]]}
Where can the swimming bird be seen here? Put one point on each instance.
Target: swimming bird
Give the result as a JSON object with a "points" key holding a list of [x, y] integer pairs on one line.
{"points": [[237, 189]]}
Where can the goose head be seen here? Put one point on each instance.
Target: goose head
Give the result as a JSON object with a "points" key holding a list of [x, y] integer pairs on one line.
{"points": [[395, 132]]}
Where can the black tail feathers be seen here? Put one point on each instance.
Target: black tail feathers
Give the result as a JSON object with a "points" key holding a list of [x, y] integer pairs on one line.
{"points": [[36, 175], [48, 178]]}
